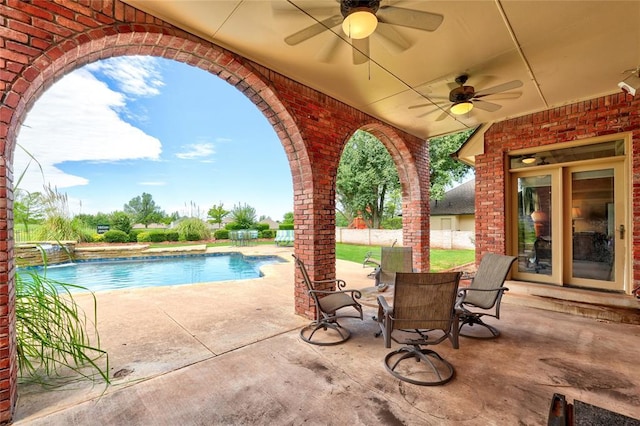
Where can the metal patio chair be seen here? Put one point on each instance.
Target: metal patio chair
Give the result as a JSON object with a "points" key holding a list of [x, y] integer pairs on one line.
{"points": [[392, 260], [422, 314], [484, 294], [331, 305]]}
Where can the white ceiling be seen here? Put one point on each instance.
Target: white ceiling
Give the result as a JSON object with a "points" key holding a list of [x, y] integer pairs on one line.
{"points": [[562, 51]]}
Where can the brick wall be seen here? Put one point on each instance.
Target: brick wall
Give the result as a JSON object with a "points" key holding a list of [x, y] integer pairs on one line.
{"points": [[41, 41], [607, 115]]}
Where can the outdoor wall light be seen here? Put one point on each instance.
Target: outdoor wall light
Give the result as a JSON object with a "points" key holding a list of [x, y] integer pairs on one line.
{"points": [[530, 159], [460, 108], [360, 23]]}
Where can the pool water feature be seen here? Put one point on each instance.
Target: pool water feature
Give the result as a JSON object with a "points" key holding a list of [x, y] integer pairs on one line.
{"points": [[116, 274]]}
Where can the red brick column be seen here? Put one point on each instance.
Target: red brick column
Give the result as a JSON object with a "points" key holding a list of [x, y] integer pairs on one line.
{"points": [[42, 41]]}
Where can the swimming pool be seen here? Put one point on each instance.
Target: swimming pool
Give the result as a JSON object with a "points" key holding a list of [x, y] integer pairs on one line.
{"points": [[158, 271]]}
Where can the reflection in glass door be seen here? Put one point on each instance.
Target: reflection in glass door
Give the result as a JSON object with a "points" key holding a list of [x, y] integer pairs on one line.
{"points": [[593, 226], [534, 225]]}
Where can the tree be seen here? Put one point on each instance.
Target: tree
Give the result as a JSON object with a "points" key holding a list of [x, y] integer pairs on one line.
{"points": [[144, 210], [28, 208], [288, 217], [217, 213], [367, 175], [444, 170], [171, 218], [244, 216], [121, 221]]}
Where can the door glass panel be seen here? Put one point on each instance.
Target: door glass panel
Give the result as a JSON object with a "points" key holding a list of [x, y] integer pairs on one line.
{"points": [[593, 224], [534, 224]]}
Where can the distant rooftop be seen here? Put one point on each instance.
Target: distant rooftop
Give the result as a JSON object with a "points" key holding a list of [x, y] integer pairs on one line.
{"points": [[456, 201]]}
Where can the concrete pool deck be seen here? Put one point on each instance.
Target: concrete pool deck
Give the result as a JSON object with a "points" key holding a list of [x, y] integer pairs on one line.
{"points": [[230, 353]]}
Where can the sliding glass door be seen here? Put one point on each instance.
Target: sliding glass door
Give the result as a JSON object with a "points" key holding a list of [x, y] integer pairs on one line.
{"points": [[568, 217]]}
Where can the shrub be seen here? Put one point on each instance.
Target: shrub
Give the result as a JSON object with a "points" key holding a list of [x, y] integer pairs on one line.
{"points": [[98, 238], [59, 228], [53, 333], [392, 223], [286, 226], [172, 235], [115, 236], [144, 237], [121, 221], [221, 234], [261, 226], [133, 235], [233, 226], [192, 236], [267, 233], [157, 236], [193, 229]]}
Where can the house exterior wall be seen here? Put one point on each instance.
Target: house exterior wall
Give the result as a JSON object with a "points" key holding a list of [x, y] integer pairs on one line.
{"points": [[607, 115], [460, 222], [43, 41]]}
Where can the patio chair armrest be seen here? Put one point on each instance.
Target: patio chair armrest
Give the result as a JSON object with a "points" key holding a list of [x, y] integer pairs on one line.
{"points": [[463, 291], [355, 294], [338, 282], [384, 305]]}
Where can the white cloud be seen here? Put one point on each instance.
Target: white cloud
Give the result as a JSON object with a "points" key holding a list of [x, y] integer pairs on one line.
{"points": [[76, 120], [135, 75], [196, 151]]}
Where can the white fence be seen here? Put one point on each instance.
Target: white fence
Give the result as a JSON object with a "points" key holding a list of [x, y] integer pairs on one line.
{"points": [[386, 237]]}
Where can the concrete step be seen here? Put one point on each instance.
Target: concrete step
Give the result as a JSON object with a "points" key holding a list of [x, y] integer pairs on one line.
{"points": [[613, 307]]}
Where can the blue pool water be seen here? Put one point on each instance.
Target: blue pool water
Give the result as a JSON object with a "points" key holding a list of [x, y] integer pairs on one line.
{"points": [[118, 274]]}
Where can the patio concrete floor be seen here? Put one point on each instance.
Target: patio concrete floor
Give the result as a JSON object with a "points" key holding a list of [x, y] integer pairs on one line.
{"points": [[229, 353]]}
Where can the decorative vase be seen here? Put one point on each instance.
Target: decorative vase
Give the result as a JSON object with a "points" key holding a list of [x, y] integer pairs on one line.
{"points": [[540, 220]]}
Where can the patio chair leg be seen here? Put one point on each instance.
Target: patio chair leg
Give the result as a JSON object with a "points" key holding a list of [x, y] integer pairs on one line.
{"points": [[472, 320], [442, 370], [310, 330]]}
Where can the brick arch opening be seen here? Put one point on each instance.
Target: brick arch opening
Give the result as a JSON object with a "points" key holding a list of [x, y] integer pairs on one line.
{"points": [[151, 41], [409, 160]]}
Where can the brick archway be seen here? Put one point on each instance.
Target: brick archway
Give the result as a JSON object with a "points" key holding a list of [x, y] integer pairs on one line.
{"points": [[411, 163], [39, 48]]}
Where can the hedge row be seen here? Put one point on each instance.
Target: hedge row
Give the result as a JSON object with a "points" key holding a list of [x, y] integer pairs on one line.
{"points": [[159, 236]]}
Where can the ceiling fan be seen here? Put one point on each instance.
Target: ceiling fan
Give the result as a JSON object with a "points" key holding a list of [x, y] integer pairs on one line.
{"points": [[362, 18], [464, 98]]}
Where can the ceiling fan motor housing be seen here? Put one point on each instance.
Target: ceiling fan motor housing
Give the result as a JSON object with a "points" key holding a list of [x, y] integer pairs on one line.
{"points": [[462, 94], [349, 6]]}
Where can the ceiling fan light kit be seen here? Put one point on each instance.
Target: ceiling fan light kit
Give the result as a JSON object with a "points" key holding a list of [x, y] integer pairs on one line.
{"points": [[359, 20], [461, 108], [360, 23]]}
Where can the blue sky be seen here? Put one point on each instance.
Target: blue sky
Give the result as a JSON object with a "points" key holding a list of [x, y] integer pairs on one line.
{"points": [[114, 129]]}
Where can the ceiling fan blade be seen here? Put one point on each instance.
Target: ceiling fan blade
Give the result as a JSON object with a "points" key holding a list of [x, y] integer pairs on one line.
{"points": [[391, 39], [500, 88], [419, 106], [328, 52], [501, 96], [313, 30], [410, 18], [442, 116], [486, 106], [360, 50]]}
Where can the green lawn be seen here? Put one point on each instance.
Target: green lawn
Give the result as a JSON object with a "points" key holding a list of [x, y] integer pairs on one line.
{"points": [[440, 259]]}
